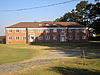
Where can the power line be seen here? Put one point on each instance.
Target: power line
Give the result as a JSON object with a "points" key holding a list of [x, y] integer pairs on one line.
{"points": [[23, 9]]}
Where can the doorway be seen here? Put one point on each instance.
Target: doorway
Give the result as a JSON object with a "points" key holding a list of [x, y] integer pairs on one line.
{"points": [[31, 38]]}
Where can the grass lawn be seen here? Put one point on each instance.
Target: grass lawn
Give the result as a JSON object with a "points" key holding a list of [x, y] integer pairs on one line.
{"points": [[67, 66], [15, 53], [91, 46]]}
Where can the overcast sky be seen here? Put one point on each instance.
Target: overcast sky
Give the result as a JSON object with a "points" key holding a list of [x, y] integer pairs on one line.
{"points": [[40, 14]]}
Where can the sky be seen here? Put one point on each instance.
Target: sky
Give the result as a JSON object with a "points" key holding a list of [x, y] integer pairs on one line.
{"points": [[34, 15]]}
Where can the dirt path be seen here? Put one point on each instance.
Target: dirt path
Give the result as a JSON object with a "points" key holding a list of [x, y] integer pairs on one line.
{"points": [[40, 60]]}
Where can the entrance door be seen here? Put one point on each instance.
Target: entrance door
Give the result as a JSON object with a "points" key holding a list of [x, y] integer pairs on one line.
{"points": [[62, 39], [31, 38]]}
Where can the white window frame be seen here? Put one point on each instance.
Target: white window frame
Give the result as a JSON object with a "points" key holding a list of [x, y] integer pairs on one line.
{"points": [[47, 37], [62, 30], [31, 30], [23, 37], [10, 38], [84, 37], [17, 38], [77, 37], [40, 24], [47, 24], [47, 30], [54, 37], [10, 31], [40, 37], [24, 30], [70, 30], [54, 24], [40, 30], [17, 30], [54, 30], [70, 37]]}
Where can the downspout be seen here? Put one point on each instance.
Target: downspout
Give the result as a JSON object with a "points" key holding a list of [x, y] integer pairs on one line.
{"points": [[26, 35]]}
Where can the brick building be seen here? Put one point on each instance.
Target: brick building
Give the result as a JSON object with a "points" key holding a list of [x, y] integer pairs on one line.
{"points": [[46, 31]]}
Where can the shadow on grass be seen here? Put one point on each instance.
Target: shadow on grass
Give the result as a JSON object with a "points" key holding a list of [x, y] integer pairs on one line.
{"points": [[74, 71], [88, 46], [73, 47]]}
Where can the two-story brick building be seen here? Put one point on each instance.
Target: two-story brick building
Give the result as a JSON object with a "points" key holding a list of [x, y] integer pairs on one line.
{"points": [[46, 31]]}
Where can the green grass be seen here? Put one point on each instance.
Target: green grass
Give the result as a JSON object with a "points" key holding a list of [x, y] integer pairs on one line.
{"points": [[72, 46], [18, 52], [8, 54], [67, 66]]}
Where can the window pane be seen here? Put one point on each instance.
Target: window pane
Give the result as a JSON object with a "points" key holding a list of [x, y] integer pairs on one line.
{"points": [[77, 37], [47, 24], [54, 37], [54, 30], [83, 37], [9, 38], [17, 30], [40, 24], [24, 30], [62, 30], [47, 30], [23, 37], [32, 30], [69, 30], [70, 37], [17, 38], [40, 37], [47, 37]]}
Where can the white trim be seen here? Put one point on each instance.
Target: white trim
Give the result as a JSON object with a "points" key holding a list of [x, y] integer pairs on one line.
{"points": [[15, 28], [49, 28], [76, 28]]}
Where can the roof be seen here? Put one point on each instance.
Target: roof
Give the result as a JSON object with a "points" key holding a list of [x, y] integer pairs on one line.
{"points": [[50, 24]]}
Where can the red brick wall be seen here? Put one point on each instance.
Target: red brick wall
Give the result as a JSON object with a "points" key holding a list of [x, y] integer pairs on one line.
{"points": [[37, 34]]}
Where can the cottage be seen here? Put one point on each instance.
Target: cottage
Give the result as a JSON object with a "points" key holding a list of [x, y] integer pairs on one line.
{"points": [[46, 31]]}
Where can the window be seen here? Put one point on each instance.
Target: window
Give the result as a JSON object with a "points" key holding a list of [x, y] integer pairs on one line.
{"points": [[40, 37], [83, 37], [10, 38], [54, 24], [24, 30], [17, 30], [47, 30], [54, 37], [47, 37], [77, 37], [54, 30], [62, 30], [17, 37], [77, 30], [24, 38], [47, 24], [69, 30], [10, 31], [31, 30], [40, 24], [70, 37], [62, 34], [40, 30]]}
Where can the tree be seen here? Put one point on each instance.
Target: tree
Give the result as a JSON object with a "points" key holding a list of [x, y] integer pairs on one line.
{"points": [[85, 14]]}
